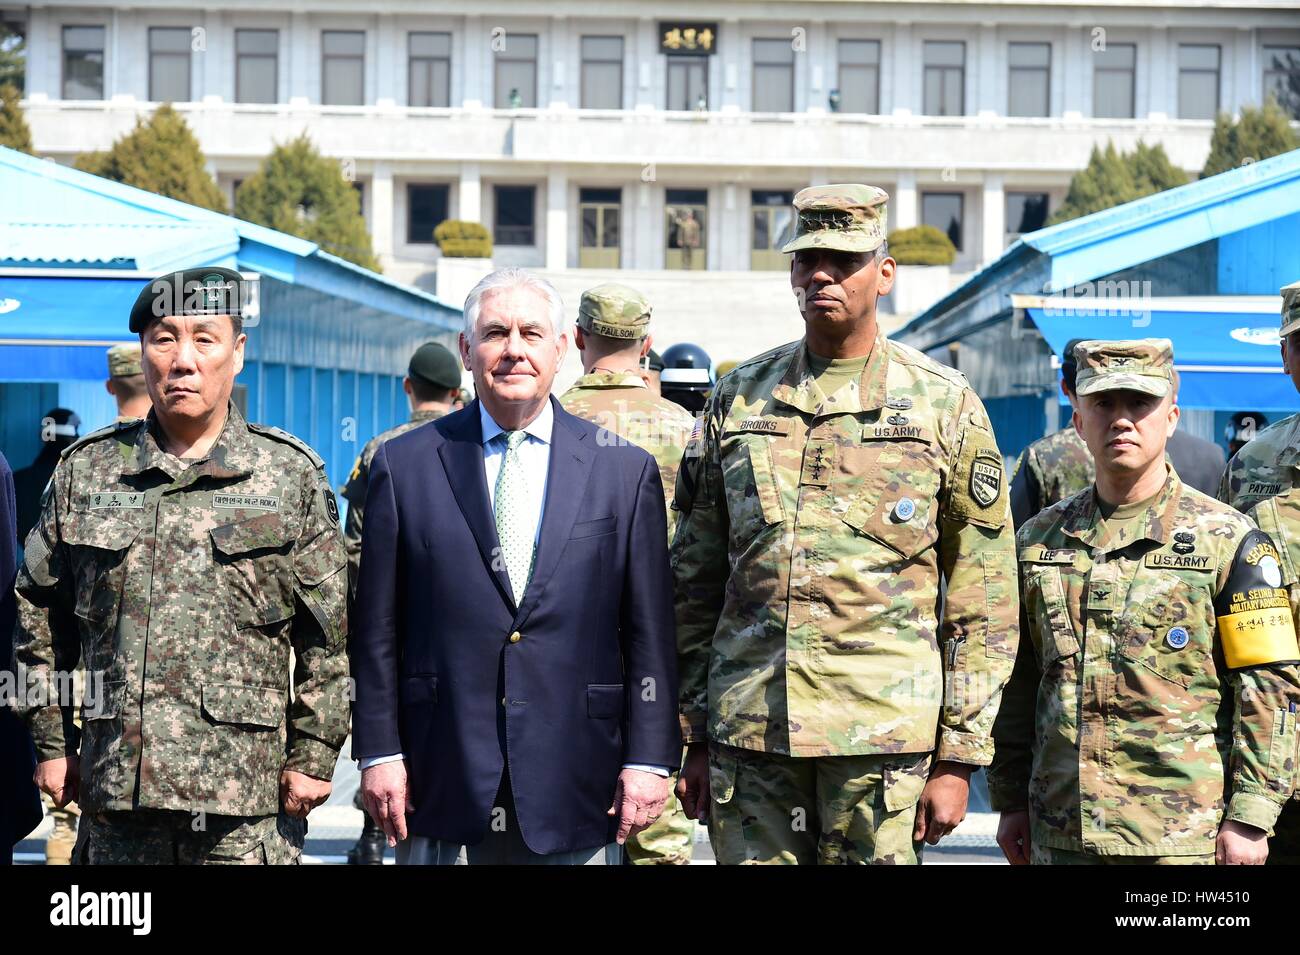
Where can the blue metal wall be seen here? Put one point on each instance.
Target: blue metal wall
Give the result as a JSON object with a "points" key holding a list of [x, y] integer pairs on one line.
{"points": [[1262, 259]]}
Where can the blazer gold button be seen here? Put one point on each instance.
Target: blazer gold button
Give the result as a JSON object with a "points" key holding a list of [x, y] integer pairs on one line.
{"points": [[516, 637]]}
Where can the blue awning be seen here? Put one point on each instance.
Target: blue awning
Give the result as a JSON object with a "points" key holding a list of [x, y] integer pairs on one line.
{"points": [[1227, 358], [57, 328]]}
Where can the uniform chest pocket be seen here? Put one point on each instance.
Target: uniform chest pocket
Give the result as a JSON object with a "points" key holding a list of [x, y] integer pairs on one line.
{"points": [[1045, 606], [255, 570], [894, 499], [750, 485], [1170, 628], [98, 546]]}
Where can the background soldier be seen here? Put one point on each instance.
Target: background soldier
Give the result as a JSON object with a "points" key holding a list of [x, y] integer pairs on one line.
{"points": [[182, 557], [1056, 466], [834, 709], [432, 384], [654, 366], [687, 376], [1266, 466], [1151, 716], [126, 382], [613, 335]]}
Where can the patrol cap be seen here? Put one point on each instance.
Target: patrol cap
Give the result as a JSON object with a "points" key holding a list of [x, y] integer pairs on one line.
{"points": [[1145, 365], [1290, 309], [846, 217], [124, 361], [189, 292], [435, 365], [614, 311]]}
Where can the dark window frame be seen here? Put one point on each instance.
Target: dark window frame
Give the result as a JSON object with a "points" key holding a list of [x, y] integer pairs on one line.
{"points": [[442, 187], [189, 62], [961, 216], [326, 58], [274, 57], [499, 229], [64, 51], [944, 69], [412, 60], [502, 56], [840, 65], [1132, 73], [584, 60], [1046, 72]]}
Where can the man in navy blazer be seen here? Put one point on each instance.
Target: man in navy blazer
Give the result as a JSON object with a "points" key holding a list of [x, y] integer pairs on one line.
{"points": [[513, 641]]}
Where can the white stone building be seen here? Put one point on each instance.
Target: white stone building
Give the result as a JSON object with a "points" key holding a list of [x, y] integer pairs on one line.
{"points": [[581, 133]]}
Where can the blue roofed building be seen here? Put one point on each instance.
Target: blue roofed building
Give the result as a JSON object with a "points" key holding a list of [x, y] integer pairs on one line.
{"points": [[1200, 265], [325, 355]]}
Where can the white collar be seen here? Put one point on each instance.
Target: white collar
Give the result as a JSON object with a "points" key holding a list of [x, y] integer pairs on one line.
{"points": [[540, 427]]}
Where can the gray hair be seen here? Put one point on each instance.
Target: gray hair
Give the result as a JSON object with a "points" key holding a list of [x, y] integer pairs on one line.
{"points": [[509, 278]]}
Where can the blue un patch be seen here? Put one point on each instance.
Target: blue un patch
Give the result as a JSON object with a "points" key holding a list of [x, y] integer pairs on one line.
{"points": [[1177, 637]]}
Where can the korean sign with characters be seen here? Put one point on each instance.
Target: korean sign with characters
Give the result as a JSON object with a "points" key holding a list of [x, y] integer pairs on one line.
{"points": [[701, 38]]}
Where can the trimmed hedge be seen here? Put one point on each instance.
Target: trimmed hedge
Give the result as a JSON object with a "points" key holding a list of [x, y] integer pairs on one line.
{"points": [[459, 239], [921, 245]]}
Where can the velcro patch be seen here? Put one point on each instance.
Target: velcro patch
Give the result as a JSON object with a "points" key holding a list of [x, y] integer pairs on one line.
{"points": [[1168, 561], [780, 426], [114, 499], [246, 501], [1047, 555], [890, 432], [985, 478]]}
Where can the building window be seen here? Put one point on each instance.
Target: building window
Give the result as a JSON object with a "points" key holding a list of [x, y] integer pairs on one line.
{"points": [[169, 64], [515, 215], [1113, 74], [426, 209], [429, 69], [83, 62], [1029, 82], [688, 81], [943, 210], [773, 76], [770, 213], [944, 78], [257, 55], [516, 73], [1198, 81], [859, 76], [1026, 212], [686, 229], [343, 68], [602, 72], [600, 211], [1282, 77]]}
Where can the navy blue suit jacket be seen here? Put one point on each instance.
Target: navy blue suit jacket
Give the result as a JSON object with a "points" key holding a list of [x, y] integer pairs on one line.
{"points": [[591, 681], [20, 804]]}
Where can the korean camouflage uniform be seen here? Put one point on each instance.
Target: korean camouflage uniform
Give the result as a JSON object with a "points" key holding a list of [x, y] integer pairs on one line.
{"points": [[1152, 699], [1261, 481], [622, 404], [183, 590], [1050, 470]]}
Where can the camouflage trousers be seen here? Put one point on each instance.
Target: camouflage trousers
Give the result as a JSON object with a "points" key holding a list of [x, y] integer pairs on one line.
{"points": [[829, 810], [669, 840], [1045, 855], [172, 837]]}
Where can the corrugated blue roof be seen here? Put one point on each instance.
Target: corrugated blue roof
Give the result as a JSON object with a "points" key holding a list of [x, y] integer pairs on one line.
{"points": [[1106, 242], [145, 247], [40, 191]]}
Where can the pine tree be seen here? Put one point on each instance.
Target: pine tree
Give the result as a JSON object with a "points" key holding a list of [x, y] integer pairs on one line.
{"points": [[161, 155], [301, 192], [14, 131], [1258, 134], [1112, 178], [13, 58]]}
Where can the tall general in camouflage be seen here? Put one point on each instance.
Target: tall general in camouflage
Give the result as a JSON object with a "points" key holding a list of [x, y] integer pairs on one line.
{"points": [[181, 558], [1151, 716], [613, 336], [834, 705]]}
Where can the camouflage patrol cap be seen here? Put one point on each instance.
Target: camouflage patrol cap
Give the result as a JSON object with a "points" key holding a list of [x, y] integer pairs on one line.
{"points": [[1290, 309], [614, 311], [1145, 365], [847, 217], [436, 365], [189, 292], [124, 361]]}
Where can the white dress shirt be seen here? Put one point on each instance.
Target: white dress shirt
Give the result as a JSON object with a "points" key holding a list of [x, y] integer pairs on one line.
{"points": [[535, 456]]}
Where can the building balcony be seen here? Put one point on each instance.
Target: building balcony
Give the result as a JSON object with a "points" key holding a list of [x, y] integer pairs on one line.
{"points": [[727, 140]]}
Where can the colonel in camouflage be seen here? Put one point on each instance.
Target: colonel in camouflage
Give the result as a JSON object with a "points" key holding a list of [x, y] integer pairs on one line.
{"points": [[1151, 713]]}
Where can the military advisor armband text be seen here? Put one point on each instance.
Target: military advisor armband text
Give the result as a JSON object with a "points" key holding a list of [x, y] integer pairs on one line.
{"points": [[1253, 609]]}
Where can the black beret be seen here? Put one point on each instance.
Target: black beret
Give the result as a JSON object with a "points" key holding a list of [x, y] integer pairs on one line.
{"points": [[434, 364], [204, 291]]}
